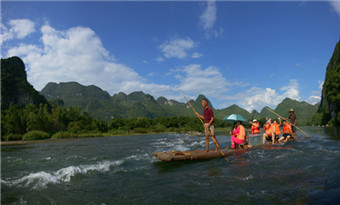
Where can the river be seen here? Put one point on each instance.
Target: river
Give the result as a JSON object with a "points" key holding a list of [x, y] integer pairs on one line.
{"points": [[122, 170]]}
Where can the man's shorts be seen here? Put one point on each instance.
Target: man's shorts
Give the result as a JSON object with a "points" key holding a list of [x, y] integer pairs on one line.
{"points": [[269, 138], [211, 129], [285, 135]]}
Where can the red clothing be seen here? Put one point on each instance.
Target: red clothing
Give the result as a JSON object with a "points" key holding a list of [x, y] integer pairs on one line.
{"points": [[208, 114], [235, 141]]}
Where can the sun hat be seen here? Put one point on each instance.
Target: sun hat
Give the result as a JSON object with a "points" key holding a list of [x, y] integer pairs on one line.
{"points": [[291, 110]]}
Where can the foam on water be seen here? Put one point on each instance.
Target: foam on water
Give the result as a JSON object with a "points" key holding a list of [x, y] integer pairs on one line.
{"points": [[247, 178], [140, 157], [41, 179], [179, 143]]}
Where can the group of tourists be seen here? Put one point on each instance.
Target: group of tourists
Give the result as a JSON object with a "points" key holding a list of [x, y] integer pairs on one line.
{"points": [[272, 130]]}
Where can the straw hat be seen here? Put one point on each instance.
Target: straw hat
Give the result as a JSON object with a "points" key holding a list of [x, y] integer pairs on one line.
{"points": [[291, 110]]}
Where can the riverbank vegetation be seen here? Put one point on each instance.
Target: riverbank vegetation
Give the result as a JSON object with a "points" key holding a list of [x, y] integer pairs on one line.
{"points": [[36, 123]]}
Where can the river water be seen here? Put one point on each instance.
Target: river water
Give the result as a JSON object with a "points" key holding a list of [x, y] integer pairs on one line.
{"points": [[122, 170]]}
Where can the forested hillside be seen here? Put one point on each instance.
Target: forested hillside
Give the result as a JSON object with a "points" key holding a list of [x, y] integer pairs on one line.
{"points": [[14, 86], [329, 109]]}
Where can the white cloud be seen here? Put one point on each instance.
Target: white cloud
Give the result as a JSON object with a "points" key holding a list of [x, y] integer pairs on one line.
{"points": [[177, 48], [196, 80], [292, 90], [196, 55], [313, 99], [207, 21], [214, 32], [336, 6], [257, 98], [77, 54], [208, 17], [5, 34], [160, 59], [320, 84], [24, 49], [21, 27]]}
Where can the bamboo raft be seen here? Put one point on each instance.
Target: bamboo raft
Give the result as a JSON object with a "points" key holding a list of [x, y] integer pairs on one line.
{"points": [[194, 154], [201, 154]]}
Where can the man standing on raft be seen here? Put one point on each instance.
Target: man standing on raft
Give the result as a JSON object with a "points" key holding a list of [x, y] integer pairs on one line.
{"points": [[293, 119], [208, 116]]}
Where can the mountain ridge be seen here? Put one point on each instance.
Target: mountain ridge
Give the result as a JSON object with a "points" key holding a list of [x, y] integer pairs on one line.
{"points": [[139, 104]]}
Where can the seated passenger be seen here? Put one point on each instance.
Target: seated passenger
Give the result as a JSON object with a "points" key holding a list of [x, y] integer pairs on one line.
{"points": [[277, 129], [255, 127], [269, 134], [287, 131], [234, 131], [240, 136]]}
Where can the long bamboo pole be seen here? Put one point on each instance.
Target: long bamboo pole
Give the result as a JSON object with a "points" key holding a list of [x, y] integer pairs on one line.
{"points": [[288, 122], [216, 144]]}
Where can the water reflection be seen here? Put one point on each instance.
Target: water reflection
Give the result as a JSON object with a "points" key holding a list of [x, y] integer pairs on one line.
{"points": [[333, 132]]}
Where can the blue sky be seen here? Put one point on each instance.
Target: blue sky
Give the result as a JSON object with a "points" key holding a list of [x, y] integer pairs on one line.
{"points": [[252, 54]]}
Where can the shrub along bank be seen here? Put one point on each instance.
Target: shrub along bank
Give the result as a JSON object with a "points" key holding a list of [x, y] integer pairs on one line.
{"points": [[36, 123]]}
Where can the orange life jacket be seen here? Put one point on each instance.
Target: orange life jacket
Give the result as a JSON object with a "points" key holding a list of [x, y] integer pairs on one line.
{"points": [[254, 129], [286, 128], [277, 129], [269, 129]]}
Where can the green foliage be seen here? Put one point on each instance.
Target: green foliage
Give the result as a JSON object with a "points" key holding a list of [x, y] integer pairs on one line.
{"points": [[140, 130], [17, 120], [62, 135], [67, 135], [61, 122], [11, 137], [35, 135], [160, 128], [316, 119], [119, 132], [330, 102]]}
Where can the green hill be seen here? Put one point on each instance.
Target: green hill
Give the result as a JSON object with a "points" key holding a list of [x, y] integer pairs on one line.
{"points": [[91, 98], [233, 109], [302, 110], [14, 86], [138, 104], [329, 109]]}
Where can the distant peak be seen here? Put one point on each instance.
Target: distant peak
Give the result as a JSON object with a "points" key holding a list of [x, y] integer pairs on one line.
{"points": [[121, 93], [201, 97], [137, 93]]}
